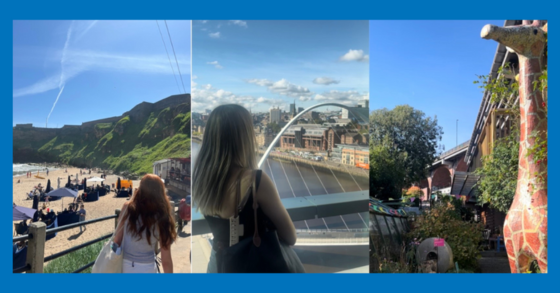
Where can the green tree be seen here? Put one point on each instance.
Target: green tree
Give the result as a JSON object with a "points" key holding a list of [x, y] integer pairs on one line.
{"points": [[411, 139], [498, 174], [274, 126], [386, 171], [318, 121]]}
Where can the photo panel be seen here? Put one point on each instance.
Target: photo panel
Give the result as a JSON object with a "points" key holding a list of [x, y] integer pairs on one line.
{"points": [[101, 146], [291, 99], [458, 154]]}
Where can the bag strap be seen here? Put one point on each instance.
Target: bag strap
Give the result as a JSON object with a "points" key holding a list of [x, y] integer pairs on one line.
{"points": [[256, 236], [238, 194], [122, 215]]}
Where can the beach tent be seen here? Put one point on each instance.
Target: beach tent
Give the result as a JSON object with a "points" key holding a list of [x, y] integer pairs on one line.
{"points": [[23, 213], [48, 186], [85, 183], [96, 179], [119, 183], [68, 185], [63, 192]]}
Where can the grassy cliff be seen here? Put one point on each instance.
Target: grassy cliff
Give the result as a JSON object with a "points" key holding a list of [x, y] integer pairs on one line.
{"points": [[130, 143]]}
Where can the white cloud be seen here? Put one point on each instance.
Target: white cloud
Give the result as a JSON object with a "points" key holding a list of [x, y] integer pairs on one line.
{"points": [[208, 97], [204, 21], [239, 23], [355, 55], [325, 81], [216, 64], [194, 77], [282, 87], [261, 82], [214, 35], [79, 61], [344, 97]]}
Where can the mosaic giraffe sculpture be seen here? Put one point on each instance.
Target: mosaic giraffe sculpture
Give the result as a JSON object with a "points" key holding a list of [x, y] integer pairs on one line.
{"points": [[525, 227]]}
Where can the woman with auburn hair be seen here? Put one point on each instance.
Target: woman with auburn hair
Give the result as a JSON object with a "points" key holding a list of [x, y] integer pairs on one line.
{"points": [[223, 176], [145, 221]]}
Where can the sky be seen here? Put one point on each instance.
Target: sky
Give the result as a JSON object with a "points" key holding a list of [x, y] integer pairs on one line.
{"points": [[71, 72], [431, 66], [265, 64]]}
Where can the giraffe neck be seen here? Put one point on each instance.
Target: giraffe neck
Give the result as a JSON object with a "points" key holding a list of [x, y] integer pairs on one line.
{"points": [[532, 120]]}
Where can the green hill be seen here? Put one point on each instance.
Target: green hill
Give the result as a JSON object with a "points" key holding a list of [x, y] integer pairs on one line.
{"points": [[131, 142]]}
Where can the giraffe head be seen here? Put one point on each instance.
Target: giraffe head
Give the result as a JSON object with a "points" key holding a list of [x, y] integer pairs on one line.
{"points": [[528, 39]]}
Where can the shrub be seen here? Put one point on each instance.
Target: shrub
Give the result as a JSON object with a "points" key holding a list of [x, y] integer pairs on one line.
{"points": [[444, 221]]}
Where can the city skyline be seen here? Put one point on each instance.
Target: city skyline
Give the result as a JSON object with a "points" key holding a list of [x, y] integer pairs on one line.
{"points": [[262, 64]]}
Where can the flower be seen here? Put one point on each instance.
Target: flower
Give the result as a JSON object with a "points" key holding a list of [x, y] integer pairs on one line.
{"points": [[543, 104]]}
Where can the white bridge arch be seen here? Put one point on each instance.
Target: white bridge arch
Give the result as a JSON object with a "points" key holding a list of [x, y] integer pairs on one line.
{"points": [[273, 143]]}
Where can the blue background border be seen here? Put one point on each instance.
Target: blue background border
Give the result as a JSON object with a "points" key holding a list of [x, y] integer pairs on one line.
{"points": [[284, 9]]}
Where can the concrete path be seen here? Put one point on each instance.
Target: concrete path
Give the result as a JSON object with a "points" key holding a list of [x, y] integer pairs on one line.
{"points": [[494, 262]]}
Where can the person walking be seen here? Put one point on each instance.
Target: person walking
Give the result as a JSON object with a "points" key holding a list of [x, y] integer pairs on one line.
{"points": [[224, 174], [82, 214], [144, 222]]}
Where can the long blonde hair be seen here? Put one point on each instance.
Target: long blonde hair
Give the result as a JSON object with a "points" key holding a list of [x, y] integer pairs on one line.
{"points": [[229, 142]]}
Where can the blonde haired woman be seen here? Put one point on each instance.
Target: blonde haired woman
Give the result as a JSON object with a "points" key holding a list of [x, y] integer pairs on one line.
{"points": [[226, 164]]}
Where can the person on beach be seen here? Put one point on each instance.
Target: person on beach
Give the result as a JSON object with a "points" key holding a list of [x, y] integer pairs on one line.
{"points": [[226, 165], [82, 214], [146, 220]]}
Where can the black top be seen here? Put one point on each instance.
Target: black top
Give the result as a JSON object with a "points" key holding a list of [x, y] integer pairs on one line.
{"points": [[220, 227]]}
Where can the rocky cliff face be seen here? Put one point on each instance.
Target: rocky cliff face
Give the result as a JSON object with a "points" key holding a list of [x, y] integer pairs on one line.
{"points": [[149, 131]]}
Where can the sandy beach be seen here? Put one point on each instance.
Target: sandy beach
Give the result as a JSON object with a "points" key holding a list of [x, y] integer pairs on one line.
{"points": [[105, 206]]}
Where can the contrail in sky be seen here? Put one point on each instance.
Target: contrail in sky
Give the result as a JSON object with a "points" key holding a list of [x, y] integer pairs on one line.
{"points": [[59, 93], [62, 81]]}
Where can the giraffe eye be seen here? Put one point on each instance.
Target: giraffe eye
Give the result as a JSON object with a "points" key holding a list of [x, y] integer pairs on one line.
{"points": [[535, 32]]}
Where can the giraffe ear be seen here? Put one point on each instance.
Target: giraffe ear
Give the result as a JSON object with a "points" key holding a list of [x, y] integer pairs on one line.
{"points": [[517, 77], [510, 49], [545, 28]]}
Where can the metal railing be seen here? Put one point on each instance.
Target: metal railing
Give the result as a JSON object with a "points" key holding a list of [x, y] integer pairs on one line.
{"points": [[37, 239], [306, 208], [332, 230]]}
